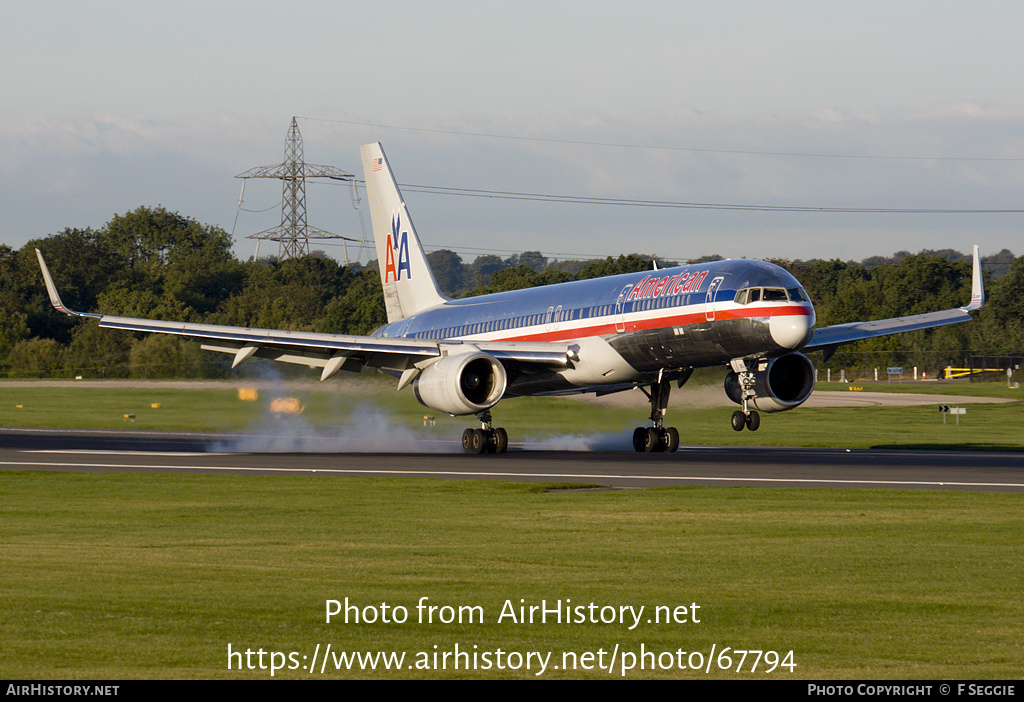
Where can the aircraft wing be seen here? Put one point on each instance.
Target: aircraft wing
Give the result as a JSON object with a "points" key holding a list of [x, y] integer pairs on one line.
{"points": [[837, 334], [332, 352]]}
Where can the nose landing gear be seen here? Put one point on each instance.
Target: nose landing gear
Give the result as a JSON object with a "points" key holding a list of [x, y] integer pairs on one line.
{"points": [[751, 420], [746, 381]]}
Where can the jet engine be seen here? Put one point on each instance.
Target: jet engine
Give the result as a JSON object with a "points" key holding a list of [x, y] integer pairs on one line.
{"points": [[779, 384], [468, 383]]}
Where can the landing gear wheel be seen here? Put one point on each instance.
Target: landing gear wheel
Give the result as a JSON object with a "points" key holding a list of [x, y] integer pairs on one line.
{"points": [[641, 440], [673, 440], [654, 442], [500, 440], [739, 420], [478, 443], [753, 421], [485, 441]]}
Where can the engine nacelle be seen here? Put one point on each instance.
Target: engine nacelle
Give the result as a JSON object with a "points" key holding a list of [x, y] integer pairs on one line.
{"points": [[785, 383], [464, 384]]}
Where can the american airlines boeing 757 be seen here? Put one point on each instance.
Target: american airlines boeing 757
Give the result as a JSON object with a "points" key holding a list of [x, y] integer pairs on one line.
{"points": [[638, 330]]}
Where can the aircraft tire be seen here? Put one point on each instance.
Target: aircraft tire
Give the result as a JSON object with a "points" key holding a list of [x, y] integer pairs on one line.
{"points": [[739, 420], [673, 440], [467, 441], [640, 440], [500, 440], [654, 442], [753, 421], [479, 443]]}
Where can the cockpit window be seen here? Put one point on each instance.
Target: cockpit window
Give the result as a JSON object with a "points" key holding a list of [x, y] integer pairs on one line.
{"points": [[749, 295]]}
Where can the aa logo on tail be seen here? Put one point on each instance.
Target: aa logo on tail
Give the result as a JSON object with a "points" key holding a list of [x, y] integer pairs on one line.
{"points": [[397, 250]]}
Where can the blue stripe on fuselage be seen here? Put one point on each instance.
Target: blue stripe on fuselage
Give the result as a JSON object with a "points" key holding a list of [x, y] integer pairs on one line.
{"points": [[532, 310]]}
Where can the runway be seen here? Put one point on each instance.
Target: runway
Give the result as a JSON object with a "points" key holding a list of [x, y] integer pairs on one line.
{"points": [[167, 452]]}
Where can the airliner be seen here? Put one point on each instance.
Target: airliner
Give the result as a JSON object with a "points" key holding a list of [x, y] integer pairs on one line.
{"points": [[645, 330]]}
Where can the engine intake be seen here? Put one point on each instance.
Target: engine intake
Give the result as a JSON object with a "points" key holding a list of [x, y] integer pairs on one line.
{"points": [[468, 383], [785, 383]]}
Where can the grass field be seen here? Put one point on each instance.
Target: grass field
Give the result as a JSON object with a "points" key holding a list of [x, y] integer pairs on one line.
{"points": [[963, 388], [118, 576], [133, 575]]}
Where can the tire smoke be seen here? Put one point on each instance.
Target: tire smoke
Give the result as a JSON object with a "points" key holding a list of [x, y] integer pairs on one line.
{"points": [[366, 430], [361, 428], [605, 441]]}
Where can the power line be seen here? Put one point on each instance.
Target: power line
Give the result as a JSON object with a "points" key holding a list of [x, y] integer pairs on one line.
{"points": [[477, 250], [275, 206], [659, 147], [672, 204], [626, 202]]}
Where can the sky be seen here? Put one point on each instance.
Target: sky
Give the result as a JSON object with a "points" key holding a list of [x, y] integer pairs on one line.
{"points": [[907, 106]]}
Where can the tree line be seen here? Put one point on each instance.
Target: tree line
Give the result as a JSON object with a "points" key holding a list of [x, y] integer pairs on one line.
{"points": [[159, 264]]}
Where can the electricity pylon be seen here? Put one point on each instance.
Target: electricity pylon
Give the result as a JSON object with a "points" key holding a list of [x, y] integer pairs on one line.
{"points": [[293, 234]]}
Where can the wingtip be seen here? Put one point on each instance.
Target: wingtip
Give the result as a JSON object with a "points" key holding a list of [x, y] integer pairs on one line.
{"points": [[51, 290], [977, 285]]}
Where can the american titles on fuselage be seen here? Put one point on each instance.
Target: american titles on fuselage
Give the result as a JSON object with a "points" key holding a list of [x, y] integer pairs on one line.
{"points": [[651, 286]]}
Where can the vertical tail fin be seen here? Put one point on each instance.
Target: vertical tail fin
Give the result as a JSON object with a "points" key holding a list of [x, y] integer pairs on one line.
{"points": [[409, 284]]}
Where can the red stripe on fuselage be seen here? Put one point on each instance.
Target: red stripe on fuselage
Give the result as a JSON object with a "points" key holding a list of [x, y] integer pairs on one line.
{"points": [[678, 320]]}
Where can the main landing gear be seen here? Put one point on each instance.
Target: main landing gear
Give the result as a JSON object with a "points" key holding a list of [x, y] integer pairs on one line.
{"points": [[486, 439], [657, 438]]}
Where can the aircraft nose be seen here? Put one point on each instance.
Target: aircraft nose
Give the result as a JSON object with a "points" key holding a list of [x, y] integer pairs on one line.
{"points": [[791, 331]]}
